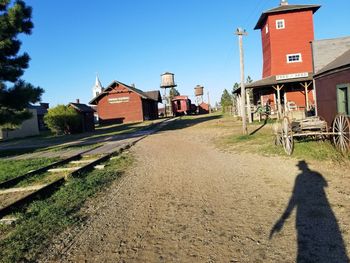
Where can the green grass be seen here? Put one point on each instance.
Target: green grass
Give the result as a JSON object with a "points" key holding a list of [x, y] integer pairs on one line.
{"points": [[44, 219], [13, 168], [262, 143]]}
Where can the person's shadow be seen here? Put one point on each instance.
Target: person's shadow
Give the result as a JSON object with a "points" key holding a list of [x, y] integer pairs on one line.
{"points": [[318, 233]]}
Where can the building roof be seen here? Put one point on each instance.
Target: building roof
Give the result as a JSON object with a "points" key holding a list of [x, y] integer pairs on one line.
{"points": [[271, 81], [324, 51], [39, 109], [81, 107], [180, 97], [284, 9], [151, 95], [340, 62], [154, 95]]}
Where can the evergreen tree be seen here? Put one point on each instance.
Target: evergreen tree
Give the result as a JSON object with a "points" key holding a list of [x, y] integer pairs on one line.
{"points": [[235, 87], [173, 93], [226, 100], [249, 80], [15, 94]]}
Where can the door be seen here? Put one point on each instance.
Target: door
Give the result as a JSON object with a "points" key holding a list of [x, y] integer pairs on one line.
{"points": [[343, 98]]}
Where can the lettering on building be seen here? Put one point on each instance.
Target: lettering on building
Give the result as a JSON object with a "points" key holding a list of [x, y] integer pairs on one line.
{"points": [[118, 100], [292, 76]]}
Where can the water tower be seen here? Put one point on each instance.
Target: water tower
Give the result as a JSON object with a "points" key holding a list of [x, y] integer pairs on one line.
{"points": [[167, 82], [198, 92]]}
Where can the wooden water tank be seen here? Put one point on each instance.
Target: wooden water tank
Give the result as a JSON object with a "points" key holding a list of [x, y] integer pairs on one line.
{"points": [[198, 90], [167, 80]]}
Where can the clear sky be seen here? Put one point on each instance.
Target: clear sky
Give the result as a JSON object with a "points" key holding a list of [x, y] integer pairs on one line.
{"points": [[134, 41]]}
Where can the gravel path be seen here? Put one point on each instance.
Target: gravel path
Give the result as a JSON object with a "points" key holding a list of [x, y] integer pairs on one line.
{"points": [[186, 201]]}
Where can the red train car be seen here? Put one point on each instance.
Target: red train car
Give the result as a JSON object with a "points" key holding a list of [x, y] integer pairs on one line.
{"points": [[181, 105]]}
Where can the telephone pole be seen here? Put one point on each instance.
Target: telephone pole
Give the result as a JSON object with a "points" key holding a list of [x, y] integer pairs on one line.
{"points": [[240, 33], [209, 108]]}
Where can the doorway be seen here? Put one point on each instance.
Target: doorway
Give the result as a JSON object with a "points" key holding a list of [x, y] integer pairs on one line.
{"points": [[343, 99]]}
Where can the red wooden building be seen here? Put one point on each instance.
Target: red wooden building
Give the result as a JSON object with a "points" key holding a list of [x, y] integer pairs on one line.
{"points": [[333, 88], [119, 103], [86, 114], [286, 33]]}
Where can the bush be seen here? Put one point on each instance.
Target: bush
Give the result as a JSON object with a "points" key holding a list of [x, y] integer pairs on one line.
{"points": [[62, 119]]}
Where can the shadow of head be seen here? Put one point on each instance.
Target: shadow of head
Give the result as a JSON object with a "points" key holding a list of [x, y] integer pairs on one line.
{"points": [[309, 176], [303, 166]]}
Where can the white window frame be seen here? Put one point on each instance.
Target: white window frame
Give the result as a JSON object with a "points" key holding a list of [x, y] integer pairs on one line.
{"points": [[294, 61], [267, 29], [283, 24]]}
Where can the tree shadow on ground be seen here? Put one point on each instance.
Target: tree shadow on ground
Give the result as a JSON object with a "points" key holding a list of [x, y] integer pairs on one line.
{"points": [[102, 133], [259, 128], [188, 122], [318, 235]]}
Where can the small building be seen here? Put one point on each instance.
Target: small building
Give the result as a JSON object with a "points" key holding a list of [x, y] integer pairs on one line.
{"points": [[27, 128], [286, 33], [203, 108], [120, 103], [333, 88], [41, 111], [86, 114]]}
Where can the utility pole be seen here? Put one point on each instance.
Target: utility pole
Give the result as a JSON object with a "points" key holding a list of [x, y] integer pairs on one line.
{"points": [[240, 33], [209, 108]]}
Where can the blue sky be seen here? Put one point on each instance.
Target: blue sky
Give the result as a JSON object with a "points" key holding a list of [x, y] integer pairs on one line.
{"points": [[134, 41]]}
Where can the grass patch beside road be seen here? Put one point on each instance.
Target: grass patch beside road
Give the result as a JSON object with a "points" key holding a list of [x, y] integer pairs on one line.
{"points": [[262, 142], [47, 218], [13, 168]]}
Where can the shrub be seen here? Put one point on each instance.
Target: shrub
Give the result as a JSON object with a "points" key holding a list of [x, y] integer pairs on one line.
{"points": [[62, 119]]}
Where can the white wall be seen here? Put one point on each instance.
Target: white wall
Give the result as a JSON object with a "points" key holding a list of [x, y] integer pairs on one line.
{"points": [[28, 128]]}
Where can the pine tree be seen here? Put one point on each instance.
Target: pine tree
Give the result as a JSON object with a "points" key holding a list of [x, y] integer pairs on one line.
{"points": [[249, 80], [226, 100], [173, 93], [15, 94]]}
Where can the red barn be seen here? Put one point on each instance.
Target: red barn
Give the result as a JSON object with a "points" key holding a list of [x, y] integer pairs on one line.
{"points": [[119, 103], [286, 33]]}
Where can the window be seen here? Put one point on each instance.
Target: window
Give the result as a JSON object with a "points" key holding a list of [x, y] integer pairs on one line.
{"points": [[178, 105], [280, 24], [292, 58], [267, 29], [343, 98]]}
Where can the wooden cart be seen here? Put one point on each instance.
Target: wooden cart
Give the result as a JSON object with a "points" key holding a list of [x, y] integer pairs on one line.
{"points": [[317, 128]]}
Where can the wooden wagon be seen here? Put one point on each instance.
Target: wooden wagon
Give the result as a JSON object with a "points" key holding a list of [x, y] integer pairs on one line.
{"points": [[316, 128]]}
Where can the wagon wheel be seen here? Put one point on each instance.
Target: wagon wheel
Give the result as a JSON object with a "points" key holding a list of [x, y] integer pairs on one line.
{"points": [[287, 136], [277, 134], [341, 133]]}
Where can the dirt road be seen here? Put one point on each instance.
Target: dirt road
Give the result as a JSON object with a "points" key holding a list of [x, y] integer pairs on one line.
{"points": [[186, 201]]}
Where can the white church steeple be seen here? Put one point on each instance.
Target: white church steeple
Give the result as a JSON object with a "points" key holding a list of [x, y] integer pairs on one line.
{"points": [[97, 88]]}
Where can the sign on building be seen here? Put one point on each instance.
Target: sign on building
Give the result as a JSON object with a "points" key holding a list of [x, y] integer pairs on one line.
{"points": [[118, 100], [292, 76]]}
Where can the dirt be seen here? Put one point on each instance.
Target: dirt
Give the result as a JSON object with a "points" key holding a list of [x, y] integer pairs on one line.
{"points": [[9, 198], [186, 201]]}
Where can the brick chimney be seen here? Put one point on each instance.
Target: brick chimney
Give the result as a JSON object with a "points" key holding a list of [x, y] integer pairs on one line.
{"points": [[77, 101]]}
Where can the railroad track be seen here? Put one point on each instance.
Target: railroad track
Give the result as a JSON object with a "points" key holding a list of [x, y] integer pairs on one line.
{"points": [[18, 191]]}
